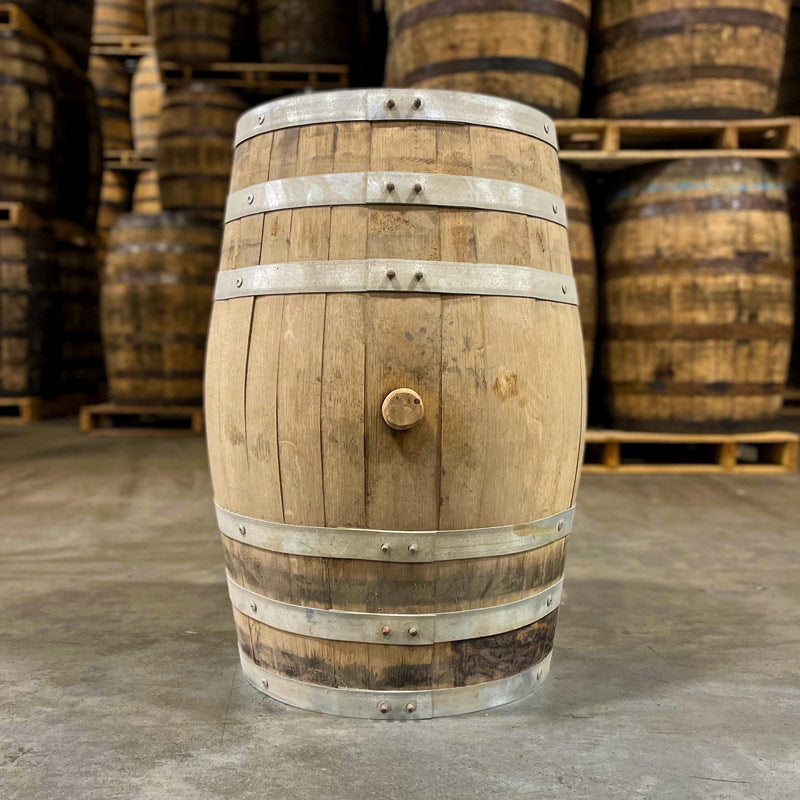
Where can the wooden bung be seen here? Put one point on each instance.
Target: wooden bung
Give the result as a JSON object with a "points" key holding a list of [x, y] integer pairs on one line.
{"points": [[402, 409]]}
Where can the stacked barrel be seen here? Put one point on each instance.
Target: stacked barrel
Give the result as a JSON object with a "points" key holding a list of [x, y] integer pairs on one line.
{"points": [[50, 172]]}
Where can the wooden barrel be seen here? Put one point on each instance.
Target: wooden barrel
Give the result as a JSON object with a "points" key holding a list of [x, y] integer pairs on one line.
{"points": [[789, 91], [119, 18], [29, 313], [790, 174], [194, 148], [113, 86], [156, 300], [582, 252], [69, 22], [307, 31], [27, 135], [115, 199], [146, 193], [196, 33], [697, 270], [534, 52], [396, 474], [697, 59], [147, 97]]}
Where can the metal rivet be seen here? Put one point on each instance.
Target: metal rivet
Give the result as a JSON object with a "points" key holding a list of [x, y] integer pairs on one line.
{"points": [[260, 119], [390, 273], [563, 291], [418, 275], [411, 707], [242, 530], [550, 601], [384, 548], [560, 525], [253, 606], [417, 187], [389, 187], [539, 675], [390, 103], [386, 630], [265, 683], [412, 631], [250, 199], [417, 102], [239, 286], [555, 208], [384, 708], [546, 128], [412, 548]]}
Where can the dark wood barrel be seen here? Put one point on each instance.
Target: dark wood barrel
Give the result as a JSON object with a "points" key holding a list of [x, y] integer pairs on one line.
{"points": [[704, 59], [196, 33], [29, 311], [790, 173], [582, 253], [194, 148], [789, 92], [113, 86], [146, 193], [157, 286], [80, 146], [308, 31], [147, 98], [119, 18], [115, 200], [531, 51], [28, 132], [697, 270], [392, 460], [70, 23]]}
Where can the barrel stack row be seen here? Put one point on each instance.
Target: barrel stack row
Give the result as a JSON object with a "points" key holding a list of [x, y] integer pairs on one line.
{"points": [[50, 171]]}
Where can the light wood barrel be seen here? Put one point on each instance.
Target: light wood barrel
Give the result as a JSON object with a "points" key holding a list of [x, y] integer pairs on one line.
{"points": [[789, 92], [29, 312], [147, 98], [790, 174], [696, 59], [115, 199], [194, 148], [113, 86], [196, 33], [27, 135], [697, 269], [119, 18], [527, 50], [582, 252], [384, 440], [146, 194], [156, 301], [69, 22]]}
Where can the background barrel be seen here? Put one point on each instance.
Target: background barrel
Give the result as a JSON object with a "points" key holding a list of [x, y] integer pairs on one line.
{"points": [[532, 52], [69, 22], [312, 420], [194, 148], [698, 60], [119, 18], [146, 194], [196, 33], [790, 174], [789, 91], [27, 135], [113, 86], [582, 253], [115, 199], [697, 266], [147, 98], [155, 307]]}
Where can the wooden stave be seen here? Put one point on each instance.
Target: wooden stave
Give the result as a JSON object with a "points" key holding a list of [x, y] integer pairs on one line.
{"points": [[200, 34], [651, 399], [790, 173], [119, 18], [147, 99], [115, 200], [69, 22], [789, 90], [250, 160], [146, 193], [113, 87], [681, 87], [167, 318], [512, 68]]}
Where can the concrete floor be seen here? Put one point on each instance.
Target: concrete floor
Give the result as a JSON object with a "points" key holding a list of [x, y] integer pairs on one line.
{"points": [[676, 672]]}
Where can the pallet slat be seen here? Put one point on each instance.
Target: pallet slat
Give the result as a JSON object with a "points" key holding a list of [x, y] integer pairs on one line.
{"points": [[112, 419], [272, 79], [24, 410], [123, 46], [129, 160]]}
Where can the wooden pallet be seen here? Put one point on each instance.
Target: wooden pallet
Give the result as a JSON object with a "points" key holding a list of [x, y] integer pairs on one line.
{"points": [[15, 20], [631, 452], [123, 46], [266, 79], [603, 144], [116, 419], [791, 402], [130, 160], [17, 215], [23, 410]]}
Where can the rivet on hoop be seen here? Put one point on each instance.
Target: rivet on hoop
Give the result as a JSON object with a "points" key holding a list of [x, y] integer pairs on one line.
{"points": [[563, 291], [384, 708], [239, 286], [250, 199], [417, 102], [550, 601], [384, 546], [419, 275], [386, 630], [242, 529], [546, 128], [417, 187], [539, 675], [260, 119], [390, 103], [411, 707], [412, 631], [560, 525], [253, 606], [555, 208], [265, 683], [413, 548], [390, 273], [389, 187]]}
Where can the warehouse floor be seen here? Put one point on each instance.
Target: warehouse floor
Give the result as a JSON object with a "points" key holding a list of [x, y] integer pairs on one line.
{"points": [[676, 672]]}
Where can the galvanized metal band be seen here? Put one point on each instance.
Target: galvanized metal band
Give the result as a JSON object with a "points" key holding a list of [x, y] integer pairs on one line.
{"points": [[395, 629], [396, 105], [396, 275], [395, 546], [371, 704], [396, 188]]}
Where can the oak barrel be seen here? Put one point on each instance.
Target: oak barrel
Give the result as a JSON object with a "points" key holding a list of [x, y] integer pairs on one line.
{"points": [[28, 134], [194, 146], [534, 52], [384, 441], [196, 33], [156, 300], [697, 268], [146, 194], [147, 98], [582, 252], [696, 59], [790, 174], [69, 22], [789, 91], [115, 199], [29, 311], [119, 18], [113, 86]]}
